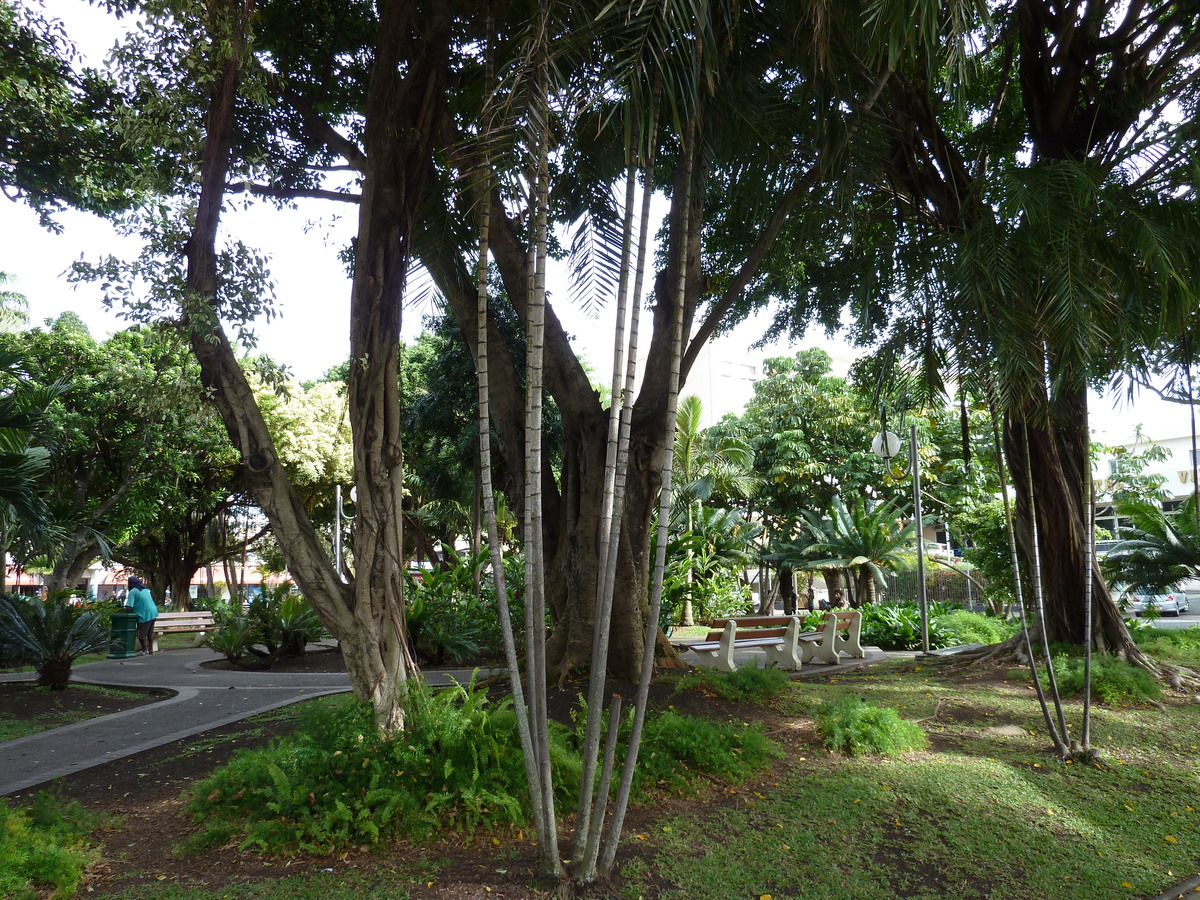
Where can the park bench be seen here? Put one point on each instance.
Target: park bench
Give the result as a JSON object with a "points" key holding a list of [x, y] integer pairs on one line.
{"points": [[777, 636], [839, 634], [198, 622]]}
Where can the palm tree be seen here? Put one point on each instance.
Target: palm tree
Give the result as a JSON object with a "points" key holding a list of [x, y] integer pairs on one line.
{"points": [[867, 540], [708, 463], [705, 465], [1162, 550], [14, 307]]}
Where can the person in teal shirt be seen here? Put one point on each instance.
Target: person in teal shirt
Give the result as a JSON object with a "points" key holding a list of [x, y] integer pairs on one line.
{"points": [[144, 607]]}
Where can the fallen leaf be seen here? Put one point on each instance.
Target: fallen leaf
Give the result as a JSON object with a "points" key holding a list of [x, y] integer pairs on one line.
{"points": [[1170, 838]]}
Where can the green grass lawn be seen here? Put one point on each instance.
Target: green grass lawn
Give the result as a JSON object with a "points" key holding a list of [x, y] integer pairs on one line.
{"points": [[980, 815]]}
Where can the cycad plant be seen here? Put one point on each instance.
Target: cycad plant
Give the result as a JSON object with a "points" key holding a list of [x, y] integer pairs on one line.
{"points": [[54, 632], [866, 539]]}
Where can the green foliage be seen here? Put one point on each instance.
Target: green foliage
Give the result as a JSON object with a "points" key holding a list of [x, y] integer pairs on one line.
{"points": [[60, 146], [965, 627], [678, 749], [1114, 681], [44, 847], [233, 638], [1180, 646], [1159, 549], [339, 783], [850, 725], [898, 627], [866, 539], [54, 633], [748, 683], [279, 622], [449, 621]]}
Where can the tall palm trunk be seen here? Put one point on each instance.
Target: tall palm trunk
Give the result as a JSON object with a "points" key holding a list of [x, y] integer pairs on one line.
{"points": [[621, 802], [591, 821]]}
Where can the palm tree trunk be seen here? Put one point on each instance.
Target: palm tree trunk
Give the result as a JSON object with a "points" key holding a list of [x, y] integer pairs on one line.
{"points": [[621, 801]]}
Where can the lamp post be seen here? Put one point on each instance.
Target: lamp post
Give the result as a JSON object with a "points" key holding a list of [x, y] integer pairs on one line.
{"points": [[885, 445]]}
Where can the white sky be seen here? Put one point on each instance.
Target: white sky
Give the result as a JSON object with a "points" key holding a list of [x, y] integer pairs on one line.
{"points": [[311, 332]]}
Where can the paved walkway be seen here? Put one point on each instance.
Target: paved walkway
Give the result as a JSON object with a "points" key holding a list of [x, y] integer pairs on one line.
{"points": [[203, 699]]}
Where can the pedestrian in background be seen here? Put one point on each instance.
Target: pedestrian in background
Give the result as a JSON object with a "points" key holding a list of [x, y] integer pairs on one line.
{"points": [[144, 607]]}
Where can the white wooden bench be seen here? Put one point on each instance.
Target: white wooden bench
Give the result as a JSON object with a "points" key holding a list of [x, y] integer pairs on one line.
{"points": [[777, 636], [198, 622], [840, 634]]}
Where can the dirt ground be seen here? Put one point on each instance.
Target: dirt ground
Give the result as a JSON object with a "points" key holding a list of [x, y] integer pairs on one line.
{"points": [[146, 800]]}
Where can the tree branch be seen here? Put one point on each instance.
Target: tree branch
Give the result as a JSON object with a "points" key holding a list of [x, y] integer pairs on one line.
{"points": [[273, 190]]}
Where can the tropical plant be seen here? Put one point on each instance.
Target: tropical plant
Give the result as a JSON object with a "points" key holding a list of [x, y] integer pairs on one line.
{"points": [[866, 539], [898, 627], [54, 632], [233, 638], [1158, 550], [284, 622]]}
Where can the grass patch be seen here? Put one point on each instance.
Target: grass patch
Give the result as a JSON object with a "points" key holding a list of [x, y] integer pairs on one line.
{"points": [[343, 883], [677, 750], [980, 816], [749, 683], [1114, 681], [1178, 646], [965, 627]]}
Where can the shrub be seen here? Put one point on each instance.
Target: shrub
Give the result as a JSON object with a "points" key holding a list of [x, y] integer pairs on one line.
{"points": [[44, 847], [677, 749], [234, 637], [53, 633], [748, 683], [898, 627], [849, 725], [280, 622], [965, 627], [1114, 681], [449, 621], [339, 783]]}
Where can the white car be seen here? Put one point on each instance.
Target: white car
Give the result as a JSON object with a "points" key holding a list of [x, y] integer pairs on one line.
{"points": [[1171, 604]]}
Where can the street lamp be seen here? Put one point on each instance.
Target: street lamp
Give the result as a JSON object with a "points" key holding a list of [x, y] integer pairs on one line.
{"points": [[885, 446]]}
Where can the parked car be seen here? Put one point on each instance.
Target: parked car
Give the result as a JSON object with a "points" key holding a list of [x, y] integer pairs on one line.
{"points": [[1173, 603]]}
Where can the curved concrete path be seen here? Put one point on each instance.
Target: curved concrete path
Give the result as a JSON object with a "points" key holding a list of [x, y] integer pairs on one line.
{"points": [[203, 699]]}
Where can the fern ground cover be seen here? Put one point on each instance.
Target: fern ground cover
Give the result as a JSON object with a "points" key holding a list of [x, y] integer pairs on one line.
{"points": [[977, 813]]}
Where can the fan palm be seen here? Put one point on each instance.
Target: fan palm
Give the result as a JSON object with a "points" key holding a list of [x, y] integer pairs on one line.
{"points": [[866, 539], [1162, 550]]}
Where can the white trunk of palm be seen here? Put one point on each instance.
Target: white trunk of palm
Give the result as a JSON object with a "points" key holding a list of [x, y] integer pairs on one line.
{"points": [[1081, 748], [599, 666], [591, 812], [1039, 603], [621, 801], [535, 593], [488, 504]]}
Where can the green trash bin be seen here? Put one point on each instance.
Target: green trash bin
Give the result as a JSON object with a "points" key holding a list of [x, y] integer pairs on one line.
{"points": [[123, 636]]}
